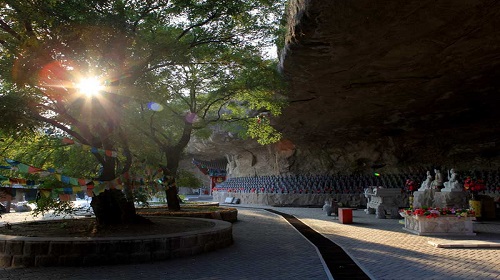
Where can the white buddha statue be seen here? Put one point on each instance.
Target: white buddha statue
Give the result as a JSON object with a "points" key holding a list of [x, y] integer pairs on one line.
{"points": [[426, 185], [453, 185]]}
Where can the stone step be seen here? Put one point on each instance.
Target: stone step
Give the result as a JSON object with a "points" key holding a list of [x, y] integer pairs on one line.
{"points": [[465, 244]]}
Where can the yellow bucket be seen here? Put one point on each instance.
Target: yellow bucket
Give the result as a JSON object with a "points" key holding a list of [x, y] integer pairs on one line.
{"points": [[476, 206]]}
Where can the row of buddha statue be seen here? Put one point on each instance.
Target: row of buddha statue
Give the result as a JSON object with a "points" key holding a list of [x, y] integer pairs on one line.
{"points": [[452, 185]]}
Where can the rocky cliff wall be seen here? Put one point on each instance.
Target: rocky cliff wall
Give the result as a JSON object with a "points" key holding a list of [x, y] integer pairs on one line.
{"points": [[381, 86], [361, 157]]}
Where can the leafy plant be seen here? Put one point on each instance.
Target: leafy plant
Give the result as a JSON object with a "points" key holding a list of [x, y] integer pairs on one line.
{"points": [[188, 180], [53, 205]]}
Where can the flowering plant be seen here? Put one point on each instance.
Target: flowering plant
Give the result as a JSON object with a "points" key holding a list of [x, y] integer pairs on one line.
{"points": [[474, 186], [430, 212], [410, 186]]}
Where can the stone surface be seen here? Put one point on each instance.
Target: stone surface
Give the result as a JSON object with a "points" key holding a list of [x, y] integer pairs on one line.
{"points": [[384, 201], [21, 251], [439, 226], [275, 199], [367, 70], [381, 86], [434, 198]]}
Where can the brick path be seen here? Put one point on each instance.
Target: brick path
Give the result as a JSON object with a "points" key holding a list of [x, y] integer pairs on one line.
{"points": [[385, 251], [267, 247]]}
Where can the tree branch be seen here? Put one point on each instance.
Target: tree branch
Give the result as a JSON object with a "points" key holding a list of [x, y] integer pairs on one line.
{"points": [[210, 18], [9, 30], [208, 104], [211, 40]]}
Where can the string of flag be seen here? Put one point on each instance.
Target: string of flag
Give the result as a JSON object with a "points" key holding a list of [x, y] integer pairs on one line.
{"points": [[94, 150], [77, 184]]}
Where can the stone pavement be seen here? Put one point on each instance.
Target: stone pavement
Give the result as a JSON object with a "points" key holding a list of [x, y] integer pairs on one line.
{"points": [[267, 247], [385, 251]]}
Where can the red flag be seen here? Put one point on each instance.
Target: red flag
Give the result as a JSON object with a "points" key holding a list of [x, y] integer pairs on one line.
{"points": [[32, 170], [68, 141]]}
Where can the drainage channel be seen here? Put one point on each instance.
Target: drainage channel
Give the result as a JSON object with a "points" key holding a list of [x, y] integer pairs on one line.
{"points": [[341, 266]]}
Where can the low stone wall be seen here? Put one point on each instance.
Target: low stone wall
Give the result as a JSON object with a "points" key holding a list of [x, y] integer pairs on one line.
{"points": [[20, 251], [225, 213], [277, 199]]}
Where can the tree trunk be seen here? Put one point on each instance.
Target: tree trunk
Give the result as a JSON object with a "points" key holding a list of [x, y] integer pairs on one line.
{"points": [[173, 155], [169, 173], [172, 197], [111, 207]]}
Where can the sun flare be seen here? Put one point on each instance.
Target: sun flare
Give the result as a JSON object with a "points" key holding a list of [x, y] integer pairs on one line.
{"points": [[90, 86]]}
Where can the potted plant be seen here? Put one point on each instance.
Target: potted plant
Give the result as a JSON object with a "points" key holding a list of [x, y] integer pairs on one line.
{"points": [[473, 186], [410, 187]]}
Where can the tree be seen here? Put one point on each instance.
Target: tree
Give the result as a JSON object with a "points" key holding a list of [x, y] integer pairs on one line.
{"points": [[205, 91], [48, 47]]}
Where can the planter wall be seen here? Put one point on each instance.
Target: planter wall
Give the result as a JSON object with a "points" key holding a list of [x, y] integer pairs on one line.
{"points": [[225, 214], [439, 226], [20, 251]]}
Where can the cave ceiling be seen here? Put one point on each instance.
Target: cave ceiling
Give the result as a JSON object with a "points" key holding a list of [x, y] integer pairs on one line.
{"points": [[363, 70]]}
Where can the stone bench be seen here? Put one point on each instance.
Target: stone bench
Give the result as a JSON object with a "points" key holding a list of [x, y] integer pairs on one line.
{"points": [[382, 201]]}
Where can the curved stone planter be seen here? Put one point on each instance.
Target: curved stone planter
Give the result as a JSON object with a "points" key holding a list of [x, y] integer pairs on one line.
{"points": [[439, 226], [225, 214], [20, 251]]}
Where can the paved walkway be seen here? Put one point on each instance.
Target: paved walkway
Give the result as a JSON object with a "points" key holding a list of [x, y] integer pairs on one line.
{"points": [[267, 247]]}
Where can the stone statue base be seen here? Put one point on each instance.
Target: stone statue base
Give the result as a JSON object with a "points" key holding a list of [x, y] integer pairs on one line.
{"points": [[451, 200], [424, 198], [451, 190], [435, 198]]}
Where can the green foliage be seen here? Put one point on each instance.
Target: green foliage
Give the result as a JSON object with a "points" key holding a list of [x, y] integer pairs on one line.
{"points": [[200, 61], [188, 180], [54, 206], [141, 196], [262, 130], [43, 151]]}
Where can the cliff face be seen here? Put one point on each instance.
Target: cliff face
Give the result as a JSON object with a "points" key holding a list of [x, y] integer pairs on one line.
{"points": [[378, 85], [415, 80]]}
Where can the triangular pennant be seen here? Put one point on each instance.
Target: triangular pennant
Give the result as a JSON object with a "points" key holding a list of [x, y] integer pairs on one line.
{"points": [[45, 193], [73, 181], [68, 141], [32, 170], [23, 168], [12, 162], [68, 190], [65, 179]]}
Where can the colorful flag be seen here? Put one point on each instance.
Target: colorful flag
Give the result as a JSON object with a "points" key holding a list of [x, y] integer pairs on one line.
{"points": [[32, 170], [65, 179], [68, 141], [23, 168], [73, 181]]}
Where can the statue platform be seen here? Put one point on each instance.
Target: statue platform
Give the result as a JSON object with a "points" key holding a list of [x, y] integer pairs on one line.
{"points": [[436, 198]]}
